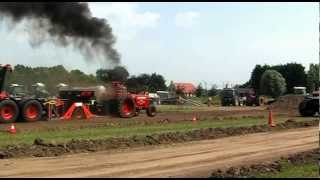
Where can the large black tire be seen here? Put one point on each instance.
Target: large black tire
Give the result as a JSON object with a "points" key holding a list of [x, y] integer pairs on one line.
{"points": [[305, 109], [31, 111], [151, 110], [126, 107], [9, 111]]}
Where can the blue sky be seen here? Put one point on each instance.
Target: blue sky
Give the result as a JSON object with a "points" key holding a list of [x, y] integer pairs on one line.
{"points": [[189, 42]]}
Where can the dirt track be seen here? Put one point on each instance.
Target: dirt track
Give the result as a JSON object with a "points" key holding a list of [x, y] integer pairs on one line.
{"points": [[204, 113], [182, 160]]}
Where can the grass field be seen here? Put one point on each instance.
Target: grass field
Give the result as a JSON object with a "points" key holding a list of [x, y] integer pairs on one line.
{"points": [[123, 130], [215, 100], [177, 108], [308, 170], [184, 108]]}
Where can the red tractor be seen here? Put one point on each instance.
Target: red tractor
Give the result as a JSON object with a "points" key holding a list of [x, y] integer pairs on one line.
{"points": [[143, 102], [13, 108], [126, 104], [114, 100]]}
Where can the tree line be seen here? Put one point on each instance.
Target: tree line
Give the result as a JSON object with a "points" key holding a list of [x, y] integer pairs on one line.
{"points": [[293, 74], [135, 84], [52, 76]]}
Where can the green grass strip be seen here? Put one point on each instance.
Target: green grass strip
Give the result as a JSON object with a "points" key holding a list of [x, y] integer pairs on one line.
{"points": [[308, 170], [63, 135]]}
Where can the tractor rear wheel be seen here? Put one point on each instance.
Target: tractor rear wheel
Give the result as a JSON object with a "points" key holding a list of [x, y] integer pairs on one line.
{"points": [[9, 111], [32, 111], [151, 111], [127, 107], [305, 109]]}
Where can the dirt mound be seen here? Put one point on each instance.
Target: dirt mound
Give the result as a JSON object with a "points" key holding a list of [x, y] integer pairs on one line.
{"points": [[288, 104], [43, 149], [273, 167]]}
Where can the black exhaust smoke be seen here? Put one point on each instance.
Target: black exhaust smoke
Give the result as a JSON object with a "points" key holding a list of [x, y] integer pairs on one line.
{"points": [[65, 23]]}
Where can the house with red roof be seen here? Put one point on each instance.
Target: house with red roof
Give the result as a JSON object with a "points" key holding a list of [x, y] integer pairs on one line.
{"points": [[187, 88]]}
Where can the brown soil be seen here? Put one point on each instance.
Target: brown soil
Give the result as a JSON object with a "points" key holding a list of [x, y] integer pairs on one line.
{"points": [[311, 156], [191, 159], [42, 149], [288, 104], [285, 106], [213, 113]]}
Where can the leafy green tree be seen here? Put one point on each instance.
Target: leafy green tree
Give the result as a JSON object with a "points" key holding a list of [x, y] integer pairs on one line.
{"points": [[293, 73], [172, 89], [199, 90], [119, 73], [313, 81], [139, 83], [256, 77], [157, 83], [272, 83], [146, 82], [245, 85], [213, 91], [136, 84], [50, 76]]}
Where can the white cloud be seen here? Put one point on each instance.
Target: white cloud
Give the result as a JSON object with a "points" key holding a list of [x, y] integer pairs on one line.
{"points": [[124, 18], [186, 19]]}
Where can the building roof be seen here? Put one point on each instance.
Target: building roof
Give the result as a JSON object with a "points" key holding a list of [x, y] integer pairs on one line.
{"points": [[185, 87]]}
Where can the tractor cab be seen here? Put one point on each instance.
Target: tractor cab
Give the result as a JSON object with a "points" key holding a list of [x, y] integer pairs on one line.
{"points": [[17, 91], [229, 96], [39, 90]]}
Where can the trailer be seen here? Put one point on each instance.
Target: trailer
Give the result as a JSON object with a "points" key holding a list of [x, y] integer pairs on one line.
{"points": [[310, 105]]}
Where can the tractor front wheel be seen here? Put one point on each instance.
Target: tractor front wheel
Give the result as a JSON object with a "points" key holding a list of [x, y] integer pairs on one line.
{"points": [[137, 112], [151, 111], [9, 111], [32, 111]]}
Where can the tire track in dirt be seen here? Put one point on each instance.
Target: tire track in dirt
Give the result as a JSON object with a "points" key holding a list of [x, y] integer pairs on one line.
{"points": [[197, 158], [44, 149]]}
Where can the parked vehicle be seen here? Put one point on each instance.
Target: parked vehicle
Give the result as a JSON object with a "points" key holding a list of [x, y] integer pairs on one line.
{"points": [[310, 105]]}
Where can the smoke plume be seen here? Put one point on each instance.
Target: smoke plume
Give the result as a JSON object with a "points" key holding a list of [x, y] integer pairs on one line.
{"points": [[65, 23]]}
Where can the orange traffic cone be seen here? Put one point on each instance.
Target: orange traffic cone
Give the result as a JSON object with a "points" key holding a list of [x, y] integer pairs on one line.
{"points": [[270, 121], [12, 129]]}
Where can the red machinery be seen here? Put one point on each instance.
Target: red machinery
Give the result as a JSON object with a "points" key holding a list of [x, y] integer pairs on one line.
{"points": [[131, 104], [121, 103], [11, 108], [30, 109], [143, 102]]}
